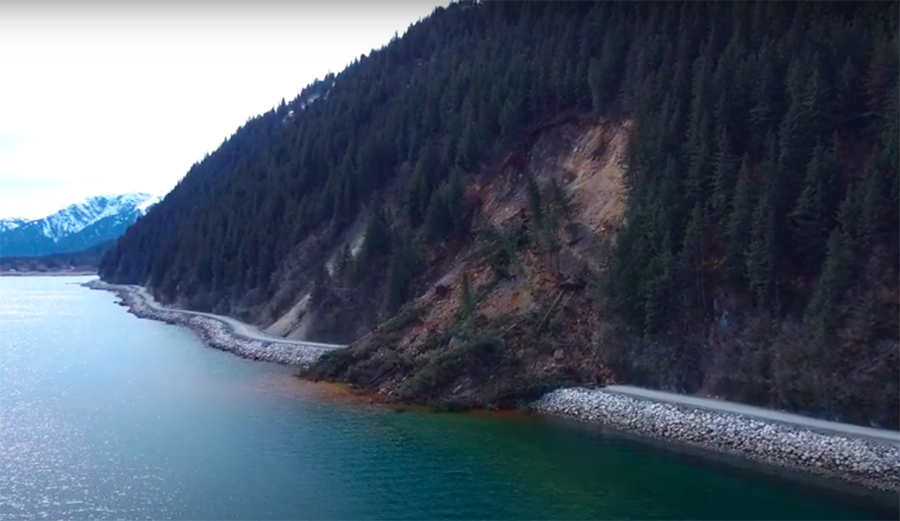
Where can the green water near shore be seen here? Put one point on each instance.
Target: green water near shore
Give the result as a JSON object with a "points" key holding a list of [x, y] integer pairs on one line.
{"points": [[103, 415]]}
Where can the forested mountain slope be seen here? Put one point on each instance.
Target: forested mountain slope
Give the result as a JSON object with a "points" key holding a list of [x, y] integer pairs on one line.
{"points": [[695, 196]]}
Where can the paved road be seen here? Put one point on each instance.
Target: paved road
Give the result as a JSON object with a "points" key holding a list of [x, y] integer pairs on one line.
{"points": [[759, 412], [239, 328]]}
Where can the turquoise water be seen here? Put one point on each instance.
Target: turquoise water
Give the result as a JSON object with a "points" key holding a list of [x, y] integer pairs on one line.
{"points": [[103, 415]]}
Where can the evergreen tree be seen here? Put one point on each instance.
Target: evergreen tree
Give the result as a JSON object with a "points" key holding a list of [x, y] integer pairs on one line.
{"points": [[726, 174], [849, 102], [438, 221], [468, 150], [810, 216], [321, 287], [511, 117], [595, 80], [455, 202], [739, 224], [819, 105], [550, 236], [560, 200], [467, 301], [534, 200], [690, 264], [762, 257], [402, 270], [417, 196], [850, 216], [795, 135], [657, 293], [377, 241], [875, 213], [344, 262], [769, 106], [837, 276]]}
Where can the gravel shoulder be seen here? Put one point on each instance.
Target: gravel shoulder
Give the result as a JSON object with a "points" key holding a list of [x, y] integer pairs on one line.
{"points": [[224, 333], [823, 426], [239, 328]]}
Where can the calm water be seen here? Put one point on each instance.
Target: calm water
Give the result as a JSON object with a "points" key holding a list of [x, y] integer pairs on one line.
{"points": [[103, 415]]}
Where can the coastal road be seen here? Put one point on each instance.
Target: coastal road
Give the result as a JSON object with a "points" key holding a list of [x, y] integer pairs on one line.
{"points": [[805, 422], [240, 328], [883, 435]]}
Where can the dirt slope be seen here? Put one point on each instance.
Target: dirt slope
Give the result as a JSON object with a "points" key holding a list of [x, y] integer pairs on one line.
{"points": [[530, 322]]}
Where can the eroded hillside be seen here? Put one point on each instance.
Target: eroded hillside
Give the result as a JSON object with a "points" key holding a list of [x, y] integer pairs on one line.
{"points": [[512, 312]]}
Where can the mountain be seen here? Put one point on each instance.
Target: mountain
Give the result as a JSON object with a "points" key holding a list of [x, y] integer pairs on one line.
{"points": [[76, 227], [11, 223], [513, 196]]}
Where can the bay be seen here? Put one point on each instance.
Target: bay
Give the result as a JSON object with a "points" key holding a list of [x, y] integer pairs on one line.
{"points": [[103, 415]]}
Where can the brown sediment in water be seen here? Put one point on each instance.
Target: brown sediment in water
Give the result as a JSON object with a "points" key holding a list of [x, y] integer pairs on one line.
{"points": [[345, 393], [506, 414], [336, 392]]}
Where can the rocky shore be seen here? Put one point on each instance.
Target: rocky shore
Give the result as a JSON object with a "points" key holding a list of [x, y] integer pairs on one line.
{"points": [[870, 463], [861, 461], [217, 334]]}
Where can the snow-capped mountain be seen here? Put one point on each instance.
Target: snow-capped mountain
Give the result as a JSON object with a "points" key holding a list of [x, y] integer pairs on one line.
{"points": [[10, 224], [76, 227]]}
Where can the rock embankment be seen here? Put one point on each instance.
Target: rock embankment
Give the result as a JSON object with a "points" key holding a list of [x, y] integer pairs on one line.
{"points": [[865, 462], [216, 333]]}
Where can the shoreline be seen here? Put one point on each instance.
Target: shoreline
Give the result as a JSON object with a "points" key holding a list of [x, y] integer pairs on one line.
{"points": [[220, 332], [858, 460], [849, 453]]}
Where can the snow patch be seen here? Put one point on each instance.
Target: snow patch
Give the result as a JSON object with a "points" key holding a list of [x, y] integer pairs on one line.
{"points": [[145, 206], [12, 223], [309, 100]]}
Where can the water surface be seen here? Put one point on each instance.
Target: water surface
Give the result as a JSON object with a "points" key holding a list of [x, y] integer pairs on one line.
{"points": [[103, 415]]}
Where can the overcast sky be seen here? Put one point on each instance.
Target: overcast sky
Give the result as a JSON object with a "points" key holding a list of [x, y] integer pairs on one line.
{"points": [[105, 98]]}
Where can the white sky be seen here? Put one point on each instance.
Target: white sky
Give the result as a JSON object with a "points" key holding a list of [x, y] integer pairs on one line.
{"points": [[99, 99]]}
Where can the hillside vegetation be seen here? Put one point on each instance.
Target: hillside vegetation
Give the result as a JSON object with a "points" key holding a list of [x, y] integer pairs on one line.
{"points": [[514, 196]]}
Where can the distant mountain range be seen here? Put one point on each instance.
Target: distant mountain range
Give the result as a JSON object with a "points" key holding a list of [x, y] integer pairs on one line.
{"points": [[77, 227]]}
